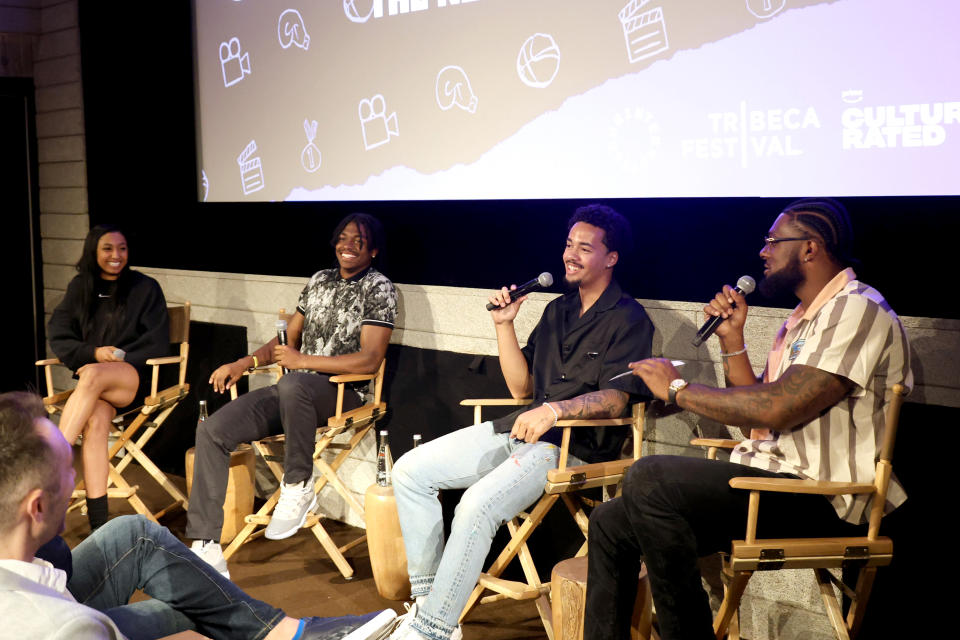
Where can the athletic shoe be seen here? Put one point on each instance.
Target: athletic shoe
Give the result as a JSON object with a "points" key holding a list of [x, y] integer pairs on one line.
{"points": [[403, 629], [296, 501], [371, 626], [211, 553]]}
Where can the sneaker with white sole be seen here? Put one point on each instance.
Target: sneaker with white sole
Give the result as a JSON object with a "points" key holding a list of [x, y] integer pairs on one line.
{"points": [[296, 501], [211, 553], [372, 626], [403, 629]]}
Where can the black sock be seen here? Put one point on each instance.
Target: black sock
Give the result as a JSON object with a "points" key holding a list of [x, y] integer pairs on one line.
{"points": [[97, 512]]}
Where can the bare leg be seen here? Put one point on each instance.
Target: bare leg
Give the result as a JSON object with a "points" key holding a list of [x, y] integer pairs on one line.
{"points": [[112, 382], [95, 449]]}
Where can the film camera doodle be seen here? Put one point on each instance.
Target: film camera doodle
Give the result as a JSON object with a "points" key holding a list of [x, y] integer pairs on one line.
{"points": [[235, 66], [376, 125]]}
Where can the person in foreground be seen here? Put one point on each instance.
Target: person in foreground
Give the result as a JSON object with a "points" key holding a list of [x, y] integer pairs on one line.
{"points": [[89, 599], [816, 413], [110, 321], [583, 339], [342, 325]]}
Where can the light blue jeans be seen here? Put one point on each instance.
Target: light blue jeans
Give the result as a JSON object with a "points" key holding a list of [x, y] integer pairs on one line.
{"points": [[502, 477]]}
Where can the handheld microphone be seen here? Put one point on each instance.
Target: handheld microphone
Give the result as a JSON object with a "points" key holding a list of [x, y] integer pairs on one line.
{"points": [[745, 285], [282, 336], [540, 282]]}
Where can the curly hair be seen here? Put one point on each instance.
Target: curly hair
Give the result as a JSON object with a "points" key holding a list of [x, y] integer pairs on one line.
{"points": [[617, 234]]}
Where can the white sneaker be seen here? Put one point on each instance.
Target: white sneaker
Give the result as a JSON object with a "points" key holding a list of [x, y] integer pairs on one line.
{"points": [[211, 553], [404, 631], [296, 501]]}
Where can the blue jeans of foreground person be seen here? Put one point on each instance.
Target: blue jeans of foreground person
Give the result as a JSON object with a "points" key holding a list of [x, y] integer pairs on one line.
{"points": [[673, 511], [502, 477], [131, 553]]}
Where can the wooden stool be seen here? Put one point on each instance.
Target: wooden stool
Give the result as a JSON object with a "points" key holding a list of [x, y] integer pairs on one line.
{"points": [[568, 593], [388, 557], [239, 501]]}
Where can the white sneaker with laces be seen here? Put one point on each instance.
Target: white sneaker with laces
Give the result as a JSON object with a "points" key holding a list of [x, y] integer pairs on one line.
{"points": [[296, 501], [404, 631], [211, 553]]}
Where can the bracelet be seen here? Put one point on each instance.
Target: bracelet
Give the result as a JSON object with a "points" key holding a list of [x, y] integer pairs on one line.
{"points": [[256, 363], [556, 416], [734, 353]]}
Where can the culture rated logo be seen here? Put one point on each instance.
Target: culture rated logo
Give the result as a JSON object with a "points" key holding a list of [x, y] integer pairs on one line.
{"points": [[896, 126]]}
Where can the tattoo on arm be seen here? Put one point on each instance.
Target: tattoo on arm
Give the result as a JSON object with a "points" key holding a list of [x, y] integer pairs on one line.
{"points": [[800, 394], [605, 403]]}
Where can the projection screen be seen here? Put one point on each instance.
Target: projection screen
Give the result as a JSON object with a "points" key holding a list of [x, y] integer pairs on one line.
{"points": [[505, 99]]}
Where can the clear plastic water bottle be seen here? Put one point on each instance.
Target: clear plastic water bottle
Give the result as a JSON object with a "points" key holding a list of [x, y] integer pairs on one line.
{"points": [[203, 412], [417, 438], [384, 461]]}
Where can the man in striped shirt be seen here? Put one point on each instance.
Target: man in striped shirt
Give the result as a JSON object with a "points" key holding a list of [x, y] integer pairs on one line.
{"points": [[817, 412]]}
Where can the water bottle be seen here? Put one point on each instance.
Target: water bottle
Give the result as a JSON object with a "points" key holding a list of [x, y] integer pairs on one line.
{"points": [[203, 412], [416, 440], [384, 461]]}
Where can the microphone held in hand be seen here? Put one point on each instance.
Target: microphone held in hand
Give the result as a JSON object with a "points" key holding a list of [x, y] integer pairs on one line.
{"points": [[542, 281], [745, 285], [282, 335]]}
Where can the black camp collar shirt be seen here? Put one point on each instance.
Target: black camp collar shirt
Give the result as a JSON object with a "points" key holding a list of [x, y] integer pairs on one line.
{"points": [[570, 355]]}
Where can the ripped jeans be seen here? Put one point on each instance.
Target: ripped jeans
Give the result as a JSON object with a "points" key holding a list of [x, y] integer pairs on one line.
{"points": [[502, 477]]}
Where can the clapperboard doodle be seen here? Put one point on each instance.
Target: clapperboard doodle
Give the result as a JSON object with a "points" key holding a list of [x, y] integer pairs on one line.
{"points": [[235, 66], [291, 31], [310, 157], [376, 125], [454, 90], [251, 172], [644, 31], [765, 8], [538, 61]]}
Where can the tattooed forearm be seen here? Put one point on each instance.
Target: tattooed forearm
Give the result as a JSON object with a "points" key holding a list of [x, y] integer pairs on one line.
{"points": [[801, 393], [605, 403]]}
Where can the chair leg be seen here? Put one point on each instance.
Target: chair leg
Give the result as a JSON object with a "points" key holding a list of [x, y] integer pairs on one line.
{"points": [[250, 527], [859, 604], [731, 602], [831, 603]]}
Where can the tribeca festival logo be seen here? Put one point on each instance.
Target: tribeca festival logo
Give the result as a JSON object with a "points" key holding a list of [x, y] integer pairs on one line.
{"points": [[362, 10], [893, 126], [751, 133], [376, 125], [234, 65]]}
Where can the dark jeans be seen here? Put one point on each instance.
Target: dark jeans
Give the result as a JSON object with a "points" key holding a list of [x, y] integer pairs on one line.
{"points": [[130, 553], [295, 406], [673, 511]]}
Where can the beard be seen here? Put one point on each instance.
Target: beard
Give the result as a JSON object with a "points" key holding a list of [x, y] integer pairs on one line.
{"points": [[783, 281]]}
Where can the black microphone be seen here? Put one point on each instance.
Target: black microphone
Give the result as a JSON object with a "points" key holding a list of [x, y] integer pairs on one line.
{"points": [[745, 285], [540, 282], [282, 336]]}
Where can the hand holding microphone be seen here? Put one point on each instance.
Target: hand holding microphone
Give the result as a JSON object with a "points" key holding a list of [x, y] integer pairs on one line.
{"points": [[282, 337], [729, 304], [540, 282]]}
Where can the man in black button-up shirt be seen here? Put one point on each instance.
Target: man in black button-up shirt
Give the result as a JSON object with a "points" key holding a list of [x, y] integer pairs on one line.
{"points": [[583, 339]]}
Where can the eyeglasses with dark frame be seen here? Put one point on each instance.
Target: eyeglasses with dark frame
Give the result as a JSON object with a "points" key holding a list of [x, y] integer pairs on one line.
{"points": [[771, 242]]}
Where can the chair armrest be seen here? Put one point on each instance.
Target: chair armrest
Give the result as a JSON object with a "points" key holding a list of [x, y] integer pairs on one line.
{"points": [[48, 362], [352, 377], [595, 422], [719, 443], [495, 402], [152, 362], [791, 485]]}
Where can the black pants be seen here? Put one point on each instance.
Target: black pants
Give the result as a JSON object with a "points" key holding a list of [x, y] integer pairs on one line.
{"points": [[673, 511], [295, 406]]}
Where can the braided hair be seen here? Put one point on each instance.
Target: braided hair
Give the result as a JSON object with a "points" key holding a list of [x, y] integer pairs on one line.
{"points": [[828, 219]]}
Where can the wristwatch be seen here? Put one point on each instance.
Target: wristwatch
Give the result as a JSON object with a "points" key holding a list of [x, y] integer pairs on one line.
{"points": [[674, 387]]}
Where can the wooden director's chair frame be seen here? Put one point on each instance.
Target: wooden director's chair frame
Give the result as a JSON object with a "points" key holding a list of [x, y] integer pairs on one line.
{"points": [[357, 422], [141, 422], [562, 483], [819, 554]]}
